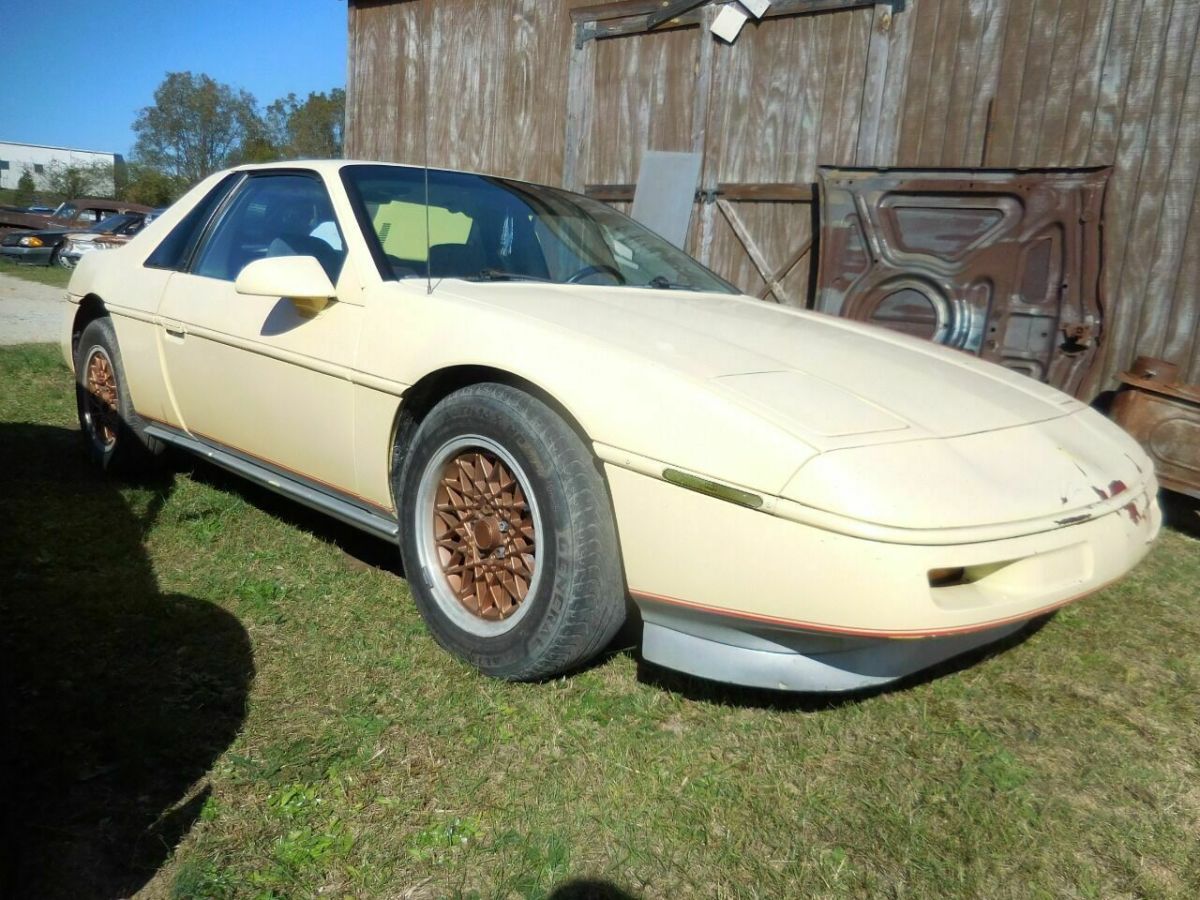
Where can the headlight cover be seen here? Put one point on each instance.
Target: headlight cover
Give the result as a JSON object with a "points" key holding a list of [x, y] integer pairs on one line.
{"points": [[32, 241]]}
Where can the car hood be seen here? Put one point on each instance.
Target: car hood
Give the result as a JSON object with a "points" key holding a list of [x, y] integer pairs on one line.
{"points": [[829, 382]]}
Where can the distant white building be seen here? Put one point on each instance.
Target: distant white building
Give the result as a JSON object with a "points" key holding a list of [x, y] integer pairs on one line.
{"points": [[40, 161]]}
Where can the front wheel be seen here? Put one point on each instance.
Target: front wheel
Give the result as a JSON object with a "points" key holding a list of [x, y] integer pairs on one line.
{"points": [[113, 434], [507, 535]]}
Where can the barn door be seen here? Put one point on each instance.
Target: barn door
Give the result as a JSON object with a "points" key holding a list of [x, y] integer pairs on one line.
{"points": [[1002, 264], [794, 90]]}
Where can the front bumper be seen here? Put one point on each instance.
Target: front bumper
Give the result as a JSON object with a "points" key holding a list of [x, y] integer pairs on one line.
{"points": [[751, 598], [32, 255]]}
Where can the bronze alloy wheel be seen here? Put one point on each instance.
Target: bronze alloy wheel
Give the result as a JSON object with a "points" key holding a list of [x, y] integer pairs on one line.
{"points": [[100, 403], [480, 534]]}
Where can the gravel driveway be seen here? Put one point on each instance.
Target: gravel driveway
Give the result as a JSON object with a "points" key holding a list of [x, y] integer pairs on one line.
{"points": [[29, 312]]}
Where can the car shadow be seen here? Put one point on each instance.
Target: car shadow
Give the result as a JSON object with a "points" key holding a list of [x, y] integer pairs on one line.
{"points": [[362, 550], [116, 698], [590, 889], [1181, 512], [717, 693]]}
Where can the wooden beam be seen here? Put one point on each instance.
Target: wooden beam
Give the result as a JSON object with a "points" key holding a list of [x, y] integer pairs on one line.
{"points": [[786, 270], [639, 16], [777, 192], [752, 249], [670, 10]]}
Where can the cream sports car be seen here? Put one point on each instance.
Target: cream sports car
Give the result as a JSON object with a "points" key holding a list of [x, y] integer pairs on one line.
{"points": [[557, 414]]}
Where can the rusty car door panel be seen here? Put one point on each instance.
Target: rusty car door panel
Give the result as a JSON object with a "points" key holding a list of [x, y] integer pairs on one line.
{"points": [[1004, 264]]}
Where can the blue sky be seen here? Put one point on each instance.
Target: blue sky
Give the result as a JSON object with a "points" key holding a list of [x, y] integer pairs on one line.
{"points": [[76, 74]]}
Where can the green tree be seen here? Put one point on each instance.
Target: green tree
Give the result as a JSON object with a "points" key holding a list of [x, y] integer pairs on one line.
{"points": [[95, 180], [26, 188], [312, 129], [151, 186], [195, 127]]}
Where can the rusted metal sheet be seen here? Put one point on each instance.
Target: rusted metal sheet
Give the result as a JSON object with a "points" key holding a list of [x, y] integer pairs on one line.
{"points": [[1164, 416], [1002, 264]]}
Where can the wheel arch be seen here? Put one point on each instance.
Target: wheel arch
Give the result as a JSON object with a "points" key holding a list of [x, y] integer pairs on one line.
{"points": [[90, 309], [434, 387]]}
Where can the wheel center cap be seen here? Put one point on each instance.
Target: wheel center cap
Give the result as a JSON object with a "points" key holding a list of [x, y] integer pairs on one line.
{"points": [[486, 533]]}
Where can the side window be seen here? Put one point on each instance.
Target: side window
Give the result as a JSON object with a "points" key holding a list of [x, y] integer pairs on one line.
{"points": [[273, 215], [176, 248]]}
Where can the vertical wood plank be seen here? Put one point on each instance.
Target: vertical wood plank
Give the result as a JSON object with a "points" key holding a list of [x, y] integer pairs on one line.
{"points": [[991, 53], [1138, 107], [1037, 56], [1060, 85], [932, 133], [702, 230], [1124, 31], [892, 104], [1167, 186], [1183, 331], [874, 79], [1005, 112], [962, 96], [1093, 51], [581, 80], [919, 80], [858, 40]]}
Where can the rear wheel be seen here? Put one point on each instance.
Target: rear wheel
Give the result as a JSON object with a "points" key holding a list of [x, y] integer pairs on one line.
{"points": [[113, 434], [507, 535]]}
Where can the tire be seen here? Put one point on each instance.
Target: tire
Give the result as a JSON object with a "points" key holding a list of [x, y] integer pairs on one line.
{"points": [[57, 259], [539, 607], [114, 436]]}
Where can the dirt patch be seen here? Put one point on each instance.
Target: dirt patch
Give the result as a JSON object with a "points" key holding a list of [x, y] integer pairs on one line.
{"points": [[30, 313]]}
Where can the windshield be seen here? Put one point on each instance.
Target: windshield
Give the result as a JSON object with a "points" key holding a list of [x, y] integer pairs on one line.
{"points": [[65, 211], [491, 229], [114, 224]]}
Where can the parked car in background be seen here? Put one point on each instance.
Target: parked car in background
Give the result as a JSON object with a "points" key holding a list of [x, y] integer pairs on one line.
{"points": [[557, 415], [46, 247], [103, 236], [73, 214]]}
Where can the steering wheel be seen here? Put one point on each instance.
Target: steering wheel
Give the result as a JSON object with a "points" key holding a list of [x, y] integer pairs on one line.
{"points": [[597, 269]]}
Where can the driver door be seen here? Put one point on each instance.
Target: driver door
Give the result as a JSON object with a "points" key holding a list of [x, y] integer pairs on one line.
{"points": [[256, 374]]}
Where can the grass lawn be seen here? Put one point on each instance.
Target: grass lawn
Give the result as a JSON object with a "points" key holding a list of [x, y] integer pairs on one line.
{"points": [[214, 693], [56, 276]]}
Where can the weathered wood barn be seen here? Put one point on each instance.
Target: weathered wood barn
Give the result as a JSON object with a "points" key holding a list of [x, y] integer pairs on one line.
{"points": [[572, 92]]}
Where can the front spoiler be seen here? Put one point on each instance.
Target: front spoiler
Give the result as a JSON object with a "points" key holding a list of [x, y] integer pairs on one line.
{"points": [[796, 661]]}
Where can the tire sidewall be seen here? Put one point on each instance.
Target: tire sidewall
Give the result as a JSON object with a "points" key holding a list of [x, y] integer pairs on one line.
{"points": [[131, 450], [98, 335], [509, 653]]}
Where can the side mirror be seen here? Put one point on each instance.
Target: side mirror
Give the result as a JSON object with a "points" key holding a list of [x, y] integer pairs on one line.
{"points": [[298, 278]]}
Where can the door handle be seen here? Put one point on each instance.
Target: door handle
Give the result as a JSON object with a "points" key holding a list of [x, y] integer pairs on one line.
{"points": [[175, 329]]}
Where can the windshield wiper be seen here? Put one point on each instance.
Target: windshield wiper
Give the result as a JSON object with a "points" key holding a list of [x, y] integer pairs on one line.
{"points": [[662, 283], [499, 275]]}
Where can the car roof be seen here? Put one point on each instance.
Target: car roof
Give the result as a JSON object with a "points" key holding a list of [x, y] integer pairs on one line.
{"points": [[331, 167]]}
